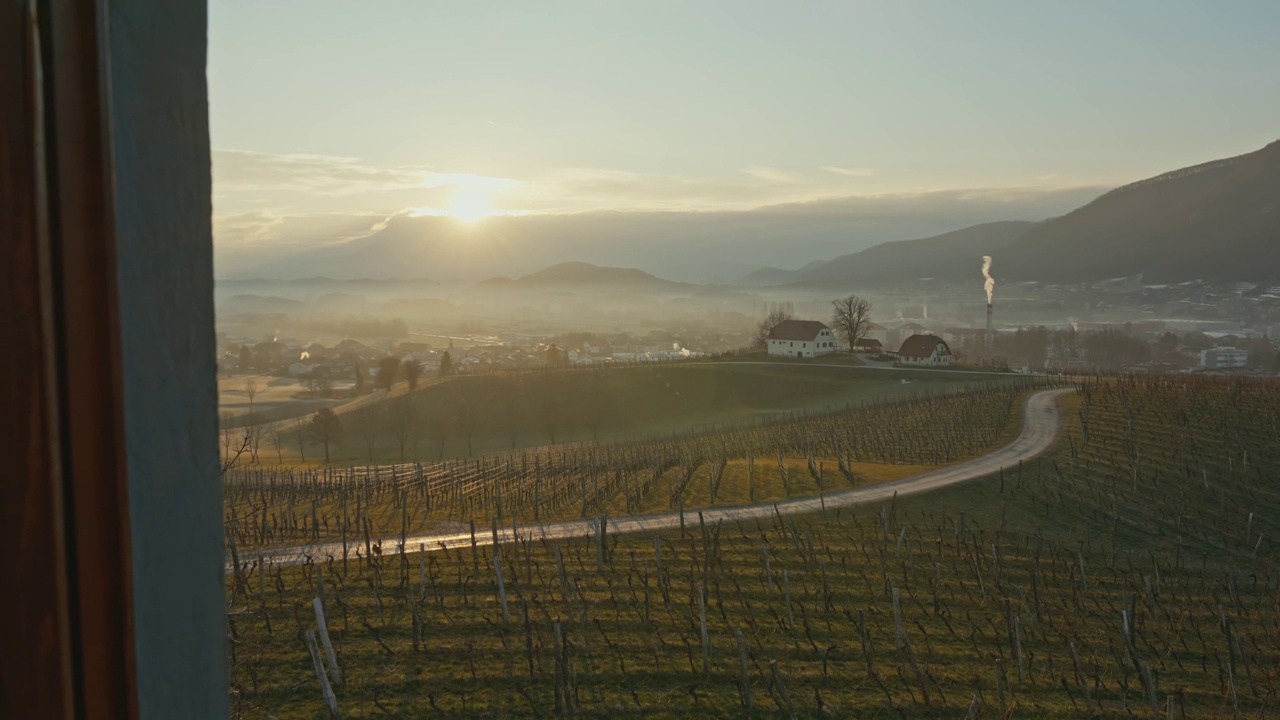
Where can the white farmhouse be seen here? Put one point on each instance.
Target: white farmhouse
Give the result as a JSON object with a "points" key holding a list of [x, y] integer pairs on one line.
{"points": [[801, 338], [928, 350]]}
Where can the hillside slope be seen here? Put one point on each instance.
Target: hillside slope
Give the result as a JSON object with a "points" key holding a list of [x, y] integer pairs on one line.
{"points": [[949, 255], [1218, 221]]}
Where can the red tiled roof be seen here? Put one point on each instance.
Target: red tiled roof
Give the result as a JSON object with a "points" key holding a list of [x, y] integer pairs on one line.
{"points": [[797, 330], [921, 346]]}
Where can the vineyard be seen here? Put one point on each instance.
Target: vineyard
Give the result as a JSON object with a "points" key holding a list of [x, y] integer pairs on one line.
{"points": [[794, 455], [467, 416], [1130, 572]]}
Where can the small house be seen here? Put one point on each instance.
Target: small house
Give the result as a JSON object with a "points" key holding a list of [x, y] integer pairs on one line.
{"points": [[924, 350]]}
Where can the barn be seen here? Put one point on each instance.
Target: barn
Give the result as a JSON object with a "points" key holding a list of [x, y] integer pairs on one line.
{"points": [[801, 338]]}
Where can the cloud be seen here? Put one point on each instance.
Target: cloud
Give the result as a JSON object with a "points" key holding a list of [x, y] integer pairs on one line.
{"points": [[860, 172], [241, 171], [247, 238], [264, 227], [253, 190], [773, 175]]}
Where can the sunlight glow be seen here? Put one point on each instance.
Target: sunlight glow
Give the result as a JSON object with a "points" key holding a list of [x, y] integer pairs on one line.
{"points": [[469, 204]]}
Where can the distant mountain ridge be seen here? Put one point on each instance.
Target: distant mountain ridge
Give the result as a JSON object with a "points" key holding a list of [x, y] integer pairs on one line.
{"points": [[952, 254], [691, 246], [1217, 221], [578, 274]]}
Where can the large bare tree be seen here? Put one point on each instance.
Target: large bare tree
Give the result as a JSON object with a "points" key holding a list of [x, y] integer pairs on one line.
{"points": [[851, 318], [776, 315]]}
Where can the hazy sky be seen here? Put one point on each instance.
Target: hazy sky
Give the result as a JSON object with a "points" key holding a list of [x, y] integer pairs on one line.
{"points": [[377, 106]]}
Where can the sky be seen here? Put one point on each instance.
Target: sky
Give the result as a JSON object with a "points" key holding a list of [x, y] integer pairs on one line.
{"points": [[339, 114]]}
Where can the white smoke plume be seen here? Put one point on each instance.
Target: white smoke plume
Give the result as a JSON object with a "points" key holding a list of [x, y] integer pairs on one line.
{"points": [[990, 284]]}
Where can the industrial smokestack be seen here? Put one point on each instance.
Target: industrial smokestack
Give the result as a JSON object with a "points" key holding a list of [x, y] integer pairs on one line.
{"points": [[989, 325], [989, 285]]}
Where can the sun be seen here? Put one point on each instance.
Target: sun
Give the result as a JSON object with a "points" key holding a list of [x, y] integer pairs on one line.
{"points": [[469, 205]]}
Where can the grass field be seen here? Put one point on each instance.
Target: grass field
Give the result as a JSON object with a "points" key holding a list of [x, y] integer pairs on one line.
{"points": [[1130, 573], [474, 416]]}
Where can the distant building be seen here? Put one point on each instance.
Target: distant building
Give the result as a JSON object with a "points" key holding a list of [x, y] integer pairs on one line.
{"points": [[870, 346], [800, 338], [416, 350], [876, 331], [961, 336], [1229, 372], [300, 369], [1136, 326], [929, 350], [1223, 357], [1150, 368]]}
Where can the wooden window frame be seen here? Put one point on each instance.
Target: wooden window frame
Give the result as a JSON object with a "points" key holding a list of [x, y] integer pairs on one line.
{"points": [[70, 647]]}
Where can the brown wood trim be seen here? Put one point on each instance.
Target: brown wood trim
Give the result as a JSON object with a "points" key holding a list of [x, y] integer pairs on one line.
{"points": [[35, 658], [90, 376], [68, 649]]}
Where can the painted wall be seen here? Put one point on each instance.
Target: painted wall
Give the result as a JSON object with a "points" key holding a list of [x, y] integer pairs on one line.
{"points": [[824, 344], [161, 139]]}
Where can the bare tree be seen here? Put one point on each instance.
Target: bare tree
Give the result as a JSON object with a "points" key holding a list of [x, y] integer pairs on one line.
{"points": [[277, 442], [255, 430], [235, 443], [404, 423], [326, 429], [251, 391], [302, 439], [776, 315], [318, 384], [851, 318]]}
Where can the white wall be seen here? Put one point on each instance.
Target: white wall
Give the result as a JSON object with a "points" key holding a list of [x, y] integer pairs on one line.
{"points": [[824, 344]]}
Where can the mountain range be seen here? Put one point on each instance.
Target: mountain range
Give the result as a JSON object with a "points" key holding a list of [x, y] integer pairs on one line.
{"points": [[1217, 221], [711, 246]]}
